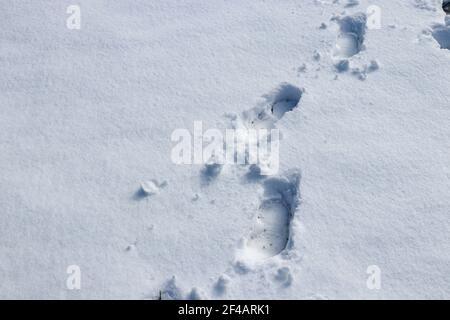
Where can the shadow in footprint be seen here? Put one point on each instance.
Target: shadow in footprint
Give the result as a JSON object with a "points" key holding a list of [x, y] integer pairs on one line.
{"points": [[210, 172], [139, 194], [284, 99], [253, 174], [441, 33], [446, 6], [149, 188]]}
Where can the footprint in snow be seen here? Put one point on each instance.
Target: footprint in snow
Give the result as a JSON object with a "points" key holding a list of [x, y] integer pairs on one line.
{"points": [[271, 229], [350, 41], [270, 233], [281, 100]]}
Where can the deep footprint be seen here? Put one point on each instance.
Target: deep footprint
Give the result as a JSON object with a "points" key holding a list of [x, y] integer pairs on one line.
{"points": [[350, 40], [283, 99], [270, 234]]}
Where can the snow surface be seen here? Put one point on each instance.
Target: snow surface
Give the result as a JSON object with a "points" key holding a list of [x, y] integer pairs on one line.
{"points": [[87, 179]]}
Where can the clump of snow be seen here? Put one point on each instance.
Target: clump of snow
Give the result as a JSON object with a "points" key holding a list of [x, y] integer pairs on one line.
{"points": [[211, 169], [196, 294], [362, 72], [342, 65], [222, 284], [317, 55], [152, 187], [284, 276], [171, 290]]}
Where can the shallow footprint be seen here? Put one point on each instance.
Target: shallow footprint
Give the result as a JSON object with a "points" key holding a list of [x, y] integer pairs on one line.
{"points": [[271, 230]]}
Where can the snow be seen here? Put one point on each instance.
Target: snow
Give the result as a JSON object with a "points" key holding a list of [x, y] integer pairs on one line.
{"points": [[87, 177]]}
